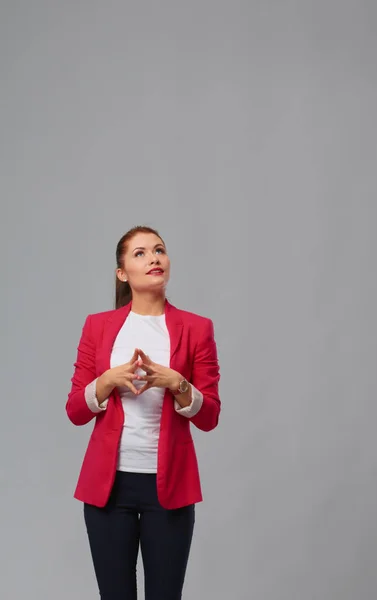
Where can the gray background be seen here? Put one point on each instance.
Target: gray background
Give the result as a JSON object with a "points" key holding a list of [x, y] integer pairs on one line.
{"points": [[246, 132]]}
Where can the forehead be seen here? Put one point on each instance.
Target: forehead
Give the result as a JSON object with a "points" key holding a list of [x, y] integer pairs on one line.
{"points": [[144, 240]]}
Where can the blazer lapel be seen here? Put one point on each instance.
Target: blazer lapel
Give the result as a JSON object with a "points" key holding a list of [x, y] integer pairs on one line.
{"points": [[175, 326], [111, 330]]}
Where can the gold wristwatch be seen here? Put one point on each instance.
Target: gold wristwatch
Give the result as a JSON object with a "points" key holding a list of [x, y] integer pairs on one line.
{"points": [[182, 388]]}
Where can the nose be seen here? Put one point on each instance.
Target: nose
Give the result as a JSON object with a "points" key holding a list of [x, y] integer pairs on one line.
{"points": [[154, 260]]}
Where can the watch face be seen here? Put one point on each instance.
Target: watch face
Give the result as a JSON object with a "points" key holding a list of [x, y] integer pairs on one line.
{"points": [[183, 386]]}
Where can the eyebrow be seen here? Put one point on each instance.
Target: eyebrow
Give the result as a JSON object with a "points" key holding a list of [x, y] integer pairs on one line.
{"points": [[142, 247]]}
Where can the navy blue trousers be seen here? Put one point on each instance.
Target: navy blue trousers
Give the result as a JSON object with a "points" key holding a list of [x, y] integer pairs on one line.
{"points": [[133, 518]]}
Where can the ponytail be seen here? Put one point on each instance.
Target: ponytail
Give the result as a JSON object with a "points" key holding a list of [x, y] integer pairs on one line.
{"points": [[123, 293]]}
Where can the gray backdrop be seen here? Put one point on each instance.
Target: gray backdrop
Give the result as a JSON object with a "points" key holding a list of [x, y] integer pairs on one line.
{"points": [[246, 132]]}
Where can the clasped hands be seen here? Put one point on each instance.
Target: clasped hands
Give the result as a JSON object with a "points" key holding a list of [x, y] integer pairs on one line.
{"points": [[155, 375]]}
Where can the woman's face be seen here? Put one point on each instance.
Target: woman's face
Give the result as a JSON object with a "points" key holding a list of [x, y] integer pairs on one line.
{"points": [[146, 265]]}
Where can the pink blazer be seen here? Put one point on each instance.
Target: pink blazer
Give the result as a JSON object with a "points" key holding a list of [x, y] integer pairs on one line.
{"points": [[193, 353]]}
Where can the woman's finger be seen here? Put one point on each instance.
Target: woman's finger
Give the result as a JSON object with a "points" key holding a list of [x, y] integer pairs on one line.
{"points": [[134, 356], [144, 357], [145, 387], [145, 367], [131, 366], [131, 387], [145, 378]]}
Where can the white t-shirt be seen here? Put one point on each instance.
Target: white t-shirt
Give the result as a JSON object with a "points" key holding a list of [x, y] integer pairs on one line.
{"points": [[142, 414]]}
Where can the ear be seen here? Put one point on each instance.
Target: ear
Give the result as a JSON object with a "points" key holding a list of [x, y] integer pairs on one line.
{"points": [[120, 273]]}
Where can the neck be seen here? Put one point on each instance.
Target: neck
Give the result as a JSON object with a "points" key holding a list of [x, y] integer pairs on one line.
{"points": [[148, 304]]}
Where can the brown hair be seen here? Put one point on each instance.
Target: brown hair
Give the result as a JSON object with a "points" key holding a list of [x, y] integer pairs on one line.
{"points": [[123, 292]]}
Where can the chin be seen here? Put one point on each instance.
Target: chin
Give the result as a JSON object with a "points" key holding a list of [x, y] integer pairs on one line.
{"points": [[159, 286]]}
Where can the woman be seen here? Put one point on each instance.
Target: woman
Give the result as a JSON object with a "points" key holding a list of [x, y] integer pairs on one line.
{"points": [[143, 373]]}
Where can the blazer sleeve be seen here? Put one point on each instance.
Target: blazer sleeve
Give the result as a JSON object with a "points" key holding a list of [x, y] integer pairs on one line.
{"points": [[205, 378], [84, 373]]}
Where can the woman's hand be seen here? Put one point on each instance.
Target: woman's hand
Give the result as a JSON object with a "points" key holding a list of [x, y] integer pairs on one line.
{"points": [[124, 375], [156, 375]]}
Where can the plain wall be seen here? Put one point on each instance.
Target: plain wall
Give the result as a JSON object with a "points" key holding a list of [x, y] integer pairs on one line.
{"points": [[246, 133]]}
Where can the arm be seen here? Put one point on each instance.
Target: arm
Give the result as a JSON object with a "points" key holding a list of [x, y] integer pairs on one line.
{"points": [[86, 391], [202, 404]]}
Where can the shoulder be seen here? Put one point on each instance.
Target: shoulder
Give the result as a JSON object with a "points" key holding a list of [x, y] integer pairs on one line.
{"points": [[196, 321], [193, 317], [96, 321], [100, 317]]}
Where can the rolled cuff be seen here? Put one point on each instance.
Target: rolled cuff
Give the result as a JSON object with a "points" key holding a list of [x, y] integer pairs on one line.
{"points": [[192, 409], [91, 398]]}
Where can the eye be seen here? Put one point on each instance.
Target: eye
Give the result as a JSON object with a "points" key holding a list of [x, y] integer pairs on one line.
{"points": [[162, 250], [139, 253]]}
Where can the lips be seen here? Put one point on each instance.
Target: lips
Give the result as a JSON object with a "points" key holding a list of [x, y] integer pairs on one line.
{"points": [[156, 271]]}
